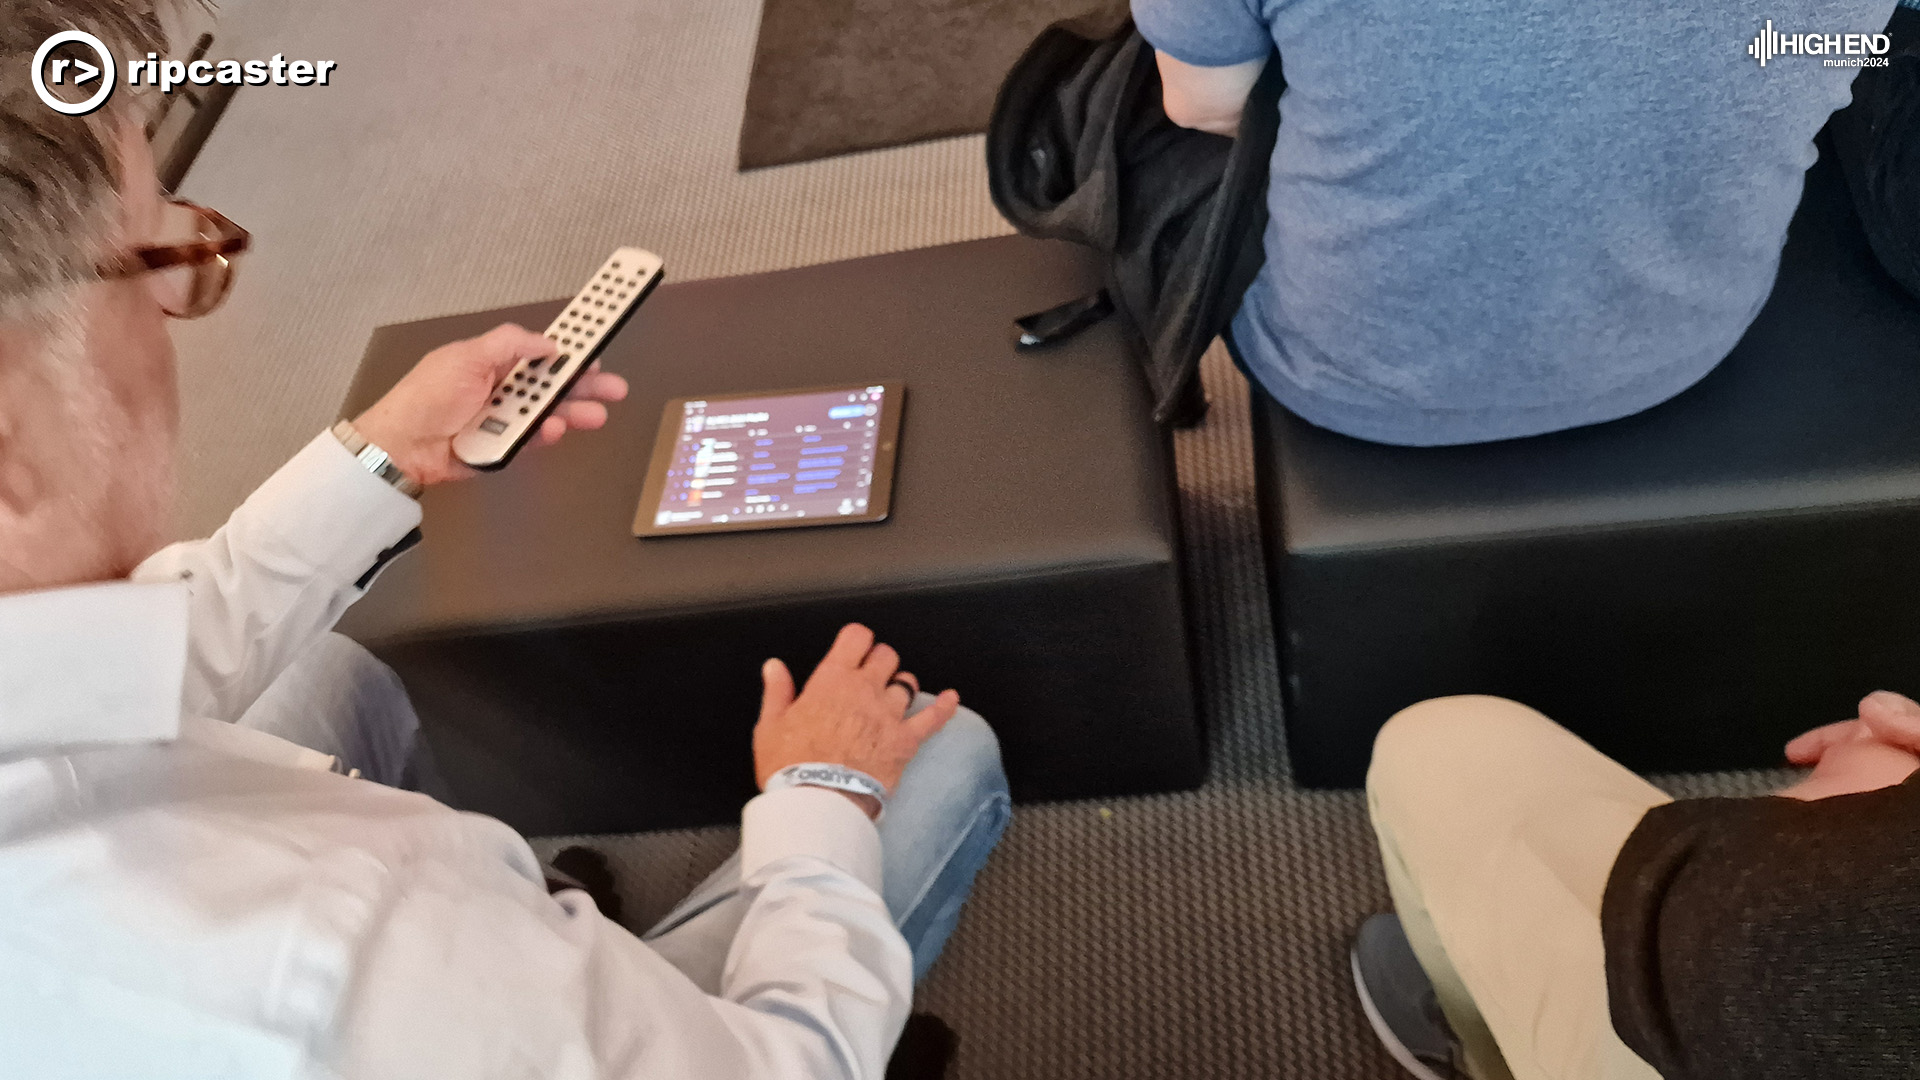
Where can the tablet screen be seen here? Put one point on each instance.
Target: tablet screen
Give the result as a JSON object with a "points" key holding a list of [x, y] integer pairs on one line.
{"points": [[772, 460]]}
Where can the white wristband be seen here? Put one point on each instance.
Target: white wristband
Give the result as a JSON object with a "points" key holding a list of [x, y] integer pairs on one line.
{"points": [[836, 777]]}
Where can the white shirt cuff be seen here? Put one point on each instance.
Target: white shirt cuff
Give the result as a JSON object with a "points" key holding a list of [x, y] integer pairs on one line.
{"points": [[324, 508], [809, 821]]}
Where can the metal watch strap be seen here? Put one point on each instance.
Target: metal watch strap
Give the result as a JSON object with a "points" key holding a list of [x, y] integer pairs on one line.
{"points": [[375, 460], [824, 775]]}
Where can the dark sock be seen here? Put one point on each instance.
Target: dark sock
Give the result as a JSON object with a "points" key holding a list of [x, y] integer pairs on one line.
{"points": [[588, 871], [925, 1049]]}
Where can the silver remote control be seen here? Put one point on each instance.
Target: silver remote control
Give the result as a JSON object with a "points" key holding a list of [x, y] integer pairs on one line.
{"points": [[527, 395]]}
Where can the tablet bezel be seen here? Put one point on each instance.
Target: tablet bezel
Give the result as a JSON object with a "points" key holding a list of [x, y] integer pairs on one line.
{"points": [[893, 404]]}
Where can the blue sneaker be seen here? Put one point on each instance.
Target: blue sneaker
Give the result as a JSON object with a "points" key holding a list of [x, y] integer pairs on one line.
{"points": [[1400, 1002]]}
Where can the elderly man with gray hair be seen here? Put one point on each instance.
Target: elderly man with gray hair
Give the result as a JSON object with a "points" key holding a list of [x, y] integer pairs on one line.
{"points": [[199, 875]]}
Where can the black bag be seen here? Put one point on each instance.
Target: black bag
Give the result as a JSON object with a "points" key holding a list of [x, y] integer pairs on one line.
{"points": [[1877, 142], [1080, 148]]}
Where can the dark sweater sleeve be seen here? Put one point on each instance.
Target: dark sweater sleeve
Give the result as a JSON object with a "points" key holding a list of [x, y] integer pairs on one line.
{"points": [[1775, 938]]}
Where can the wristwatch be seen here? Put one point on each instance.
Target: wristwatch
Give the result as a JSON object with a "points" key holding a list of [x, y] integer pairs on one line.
{"points": [[375, 460]]}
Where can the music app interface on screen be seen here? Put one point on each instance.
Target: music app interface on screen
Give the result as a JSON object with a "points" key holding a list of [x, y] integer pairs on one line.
{"points": [[793, 456]]}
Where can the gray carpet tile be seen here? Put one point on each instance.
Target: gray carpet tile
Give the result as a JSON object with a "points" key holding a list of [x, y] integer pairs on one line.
{"points": [[837, 76]]}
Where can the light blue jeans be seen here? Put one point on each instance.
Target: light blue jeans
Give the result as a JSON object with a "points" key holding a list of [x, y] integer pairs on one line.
{"points": [[938, 830]]}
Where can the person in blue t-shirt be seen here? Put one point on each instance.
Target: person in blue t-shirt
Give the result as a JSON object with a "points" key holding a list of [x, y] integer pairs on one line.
{"points": [[1498, 219]]}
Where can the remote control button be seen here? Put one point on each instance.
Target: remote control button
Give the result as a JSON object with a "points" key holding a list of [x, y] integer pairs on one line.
{"points": [[535, 397], [497, 401], [523, 410], [557, 366], [520, 393], [545, 385]]}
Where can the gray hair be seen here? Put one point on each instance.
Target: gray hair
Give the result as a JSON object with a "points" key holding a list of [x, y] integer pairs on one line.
{"points": [[59, 201]]}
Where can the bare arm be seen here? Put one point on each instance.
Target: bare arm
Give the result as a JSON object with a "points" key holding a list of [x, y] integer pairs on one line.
{"points": [[1207, 98]]}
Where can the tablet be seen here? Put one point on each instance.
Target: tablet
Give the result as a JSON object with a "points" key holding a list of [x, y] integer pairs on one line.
{"points": [[772, 460]]}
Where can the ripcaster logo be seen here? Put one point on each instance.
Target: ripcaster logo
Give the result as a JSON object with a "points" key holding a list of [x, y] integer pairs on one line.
{"points": [[1771, 43]]}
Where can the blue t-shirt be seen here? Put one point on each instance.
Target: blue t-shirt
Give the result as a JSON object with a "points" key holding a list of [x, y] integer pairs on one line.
{"points": [[1496, 218]]}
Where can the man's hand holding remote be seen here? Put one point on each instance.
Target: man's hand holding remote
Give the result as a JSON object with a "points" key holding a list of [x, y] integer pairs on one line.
{"points": [[852, 713], [416, 421]]}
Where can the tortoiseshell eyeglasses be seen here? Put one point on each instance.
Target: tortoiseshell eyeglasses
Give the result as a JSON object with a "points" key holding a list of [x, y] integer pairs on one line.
{"points": [[194, 275]]}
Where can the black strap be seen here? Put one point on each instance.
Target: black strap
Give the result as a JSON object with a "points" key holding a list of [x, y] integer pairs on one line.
{"points": [[1063, 321], [405, 545]]}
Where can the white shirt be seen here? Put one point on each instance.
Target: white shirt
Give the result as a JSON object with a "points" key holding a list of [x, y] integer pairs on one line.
{"points": [[180, 897]]}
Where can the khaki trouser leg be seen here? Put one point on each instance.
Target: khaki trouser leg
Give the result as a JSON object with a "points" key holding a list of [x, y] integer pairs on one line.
{"points": [[1497, 829]]}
